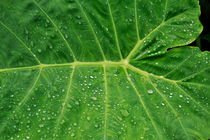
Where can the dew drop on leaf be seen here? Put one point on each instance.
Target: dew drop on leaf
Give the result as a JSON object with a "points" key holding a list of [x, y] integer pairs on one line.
{"points": [[39, 50], [77, 103], [41, 125], [150, 91], [88, 118], [96, 125], [125, 113], [72, 134], [94, 98]]}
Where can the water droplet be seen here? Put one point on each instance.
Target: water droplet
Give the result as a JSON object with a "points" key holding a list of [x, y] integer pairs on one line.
{"points": [[51, 46], [72, 134], [88, 118], [77, 103], [119, 118], [96, 125], [94, 98], [39, 50], [125, 113], [41, 125], [150, 91], [62, 122]]}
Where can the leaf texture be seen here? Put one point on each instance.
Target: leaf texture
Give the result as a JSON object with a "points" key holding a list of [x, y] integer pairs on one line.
{"points": [[102, 69]]}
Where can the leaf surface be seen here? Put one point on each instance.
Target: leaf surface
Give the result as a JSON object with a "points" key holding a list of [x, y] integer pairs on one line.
{"points": [[113, 69]]}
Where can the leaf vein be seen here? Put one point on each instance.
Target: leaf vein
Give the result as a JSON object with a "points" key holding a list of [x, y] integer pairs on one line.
{"points": [[24, 99], [21, 41], [183, 91], [142, 102], [66, 98], [56, 27], [92, 29], [105, 103], [115, 30], [136, 18], [170, 106]]}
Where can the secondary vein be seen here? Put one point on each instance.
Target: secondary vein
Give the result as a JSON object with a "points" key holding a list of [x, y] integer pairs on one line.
{"points": [[21, 41], [66, 98], [92, 30], [105, 103], [115, 30], [142, 102], [56, 27]]}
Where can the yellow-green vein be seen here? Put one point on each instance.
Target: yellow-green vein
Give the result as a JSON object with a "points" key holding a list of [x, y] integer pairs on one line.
{"points": [[24, 99], [170, 106], [92, 30], [183, 91], [139, 42], [56, 27], [115, 30], [105, 103], [192, 75], [194, 84], [100, 63], [177, 66], [136, 18], [165, 8], [21, 41], [142, 102], [66, 98]]}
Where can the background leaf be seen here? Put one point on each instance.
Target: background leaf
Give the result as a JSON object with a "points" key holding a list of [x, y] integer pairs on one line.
{"points": [[203, 41], [115, 69]]}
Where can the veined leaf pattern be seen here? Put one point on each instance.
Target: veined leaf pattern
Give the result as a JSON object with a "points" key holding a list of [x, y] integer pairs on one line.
{"points": [[102, 69]]}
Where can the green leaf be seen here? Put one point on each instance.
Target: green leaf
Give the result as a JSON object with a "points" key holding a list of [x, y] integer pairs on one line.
{"points": [[113, 69], [206, 37]]}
